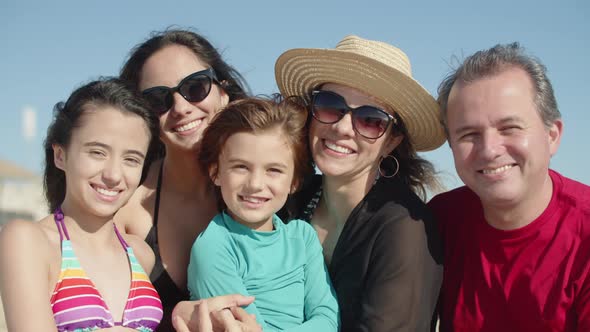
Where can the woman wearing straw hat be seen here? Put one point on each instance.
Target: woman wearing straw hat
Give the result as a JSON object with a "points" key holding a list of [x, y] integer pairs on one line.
{"points": [[369, 117]]}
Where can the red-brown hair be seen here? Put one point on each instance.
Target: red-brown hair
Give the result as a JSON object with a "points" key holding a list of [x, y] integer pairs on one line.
{"points": [[258, 115]]}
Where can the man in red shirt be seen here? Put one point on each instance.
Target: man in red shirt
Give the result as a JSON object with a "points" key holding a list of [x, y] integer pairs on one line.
{"points": [[517, 236]]}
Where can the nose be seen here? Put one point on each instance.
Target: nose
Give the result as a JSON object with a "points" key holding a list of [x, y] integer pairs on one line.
{"points": [[112, 172], [344, 126], [255, 181], [491, 145], [180, 106]]}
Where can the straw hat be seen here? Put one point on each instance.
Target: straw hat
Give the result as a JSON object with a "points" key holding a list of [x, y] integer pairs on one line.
{"points": [[379, 69]]}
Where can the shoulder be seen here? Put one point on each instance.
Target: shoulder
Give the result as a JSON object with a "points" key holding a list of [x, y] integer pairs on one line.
{"points": [[299, 225], [28, 231], [138, 211], [400, 225], [391, 201], [452, 197], [408, 242], [29, 265], [449, 204], [392, 219], [213, 248], [305, 239], [572, 192], [395, 207], [573, 200], [214, 239], [405, 224], [216, 228], [26, 239], [301, 228]]}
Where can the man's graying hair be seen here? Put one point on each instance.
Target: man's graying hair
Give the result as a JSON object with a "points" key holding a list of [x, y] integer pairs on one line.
{"points": [[495, 60]]}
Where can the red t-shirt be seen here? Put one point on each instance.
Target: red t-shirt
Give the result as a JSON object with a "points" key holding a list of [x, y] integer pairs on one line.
{"points": [[535, 278]]}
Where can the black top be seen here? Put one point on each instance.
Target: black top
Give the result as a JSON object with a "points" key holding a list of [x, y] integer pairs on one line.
{"points": [[387, 264], [169, 293]]}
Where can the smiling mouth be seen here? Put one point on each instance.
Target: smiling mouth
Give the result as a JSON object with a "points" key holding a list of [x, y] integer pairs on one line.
{"points": [[337, 148], [488, 171], [253, 199], [106, 192], [188, 126]]}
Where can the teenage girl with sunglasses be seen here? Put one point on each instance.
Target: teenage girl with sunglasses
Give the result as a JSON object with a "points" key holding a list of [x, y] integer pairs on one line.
{"points": [[74, 270], [186, 83], [256, 154]]}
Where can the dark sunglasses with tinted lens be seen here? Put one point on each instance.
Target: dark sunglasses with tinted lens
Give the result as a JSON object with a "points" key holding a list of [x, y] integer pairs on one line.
{"points": [[194, 88], [368, 121]]}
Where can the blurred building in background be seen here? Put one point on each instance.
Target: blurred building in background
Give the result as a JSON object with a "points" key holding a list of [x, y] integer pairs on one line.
{"points": [[21, 193]]}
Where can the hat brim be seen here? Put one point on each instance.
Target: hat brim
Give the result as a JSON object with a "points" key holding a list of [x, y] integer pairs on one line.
{"points": [[298, 71]]}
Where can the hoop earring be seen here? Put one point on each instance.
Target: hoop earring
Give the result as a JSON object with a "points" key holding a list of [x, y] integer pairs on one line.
{"points": [[396, 167]]}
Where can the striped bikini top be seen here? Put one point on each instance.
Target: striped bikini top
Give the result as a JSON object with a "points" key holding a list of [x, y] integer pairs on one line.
{"points": [[78, 306]]}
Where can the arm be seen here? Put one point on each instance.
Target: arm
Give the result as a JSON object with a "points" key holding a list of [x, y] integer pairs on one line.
{"points": [[403, 280], [24, 284], [213, 269], [321, 306]]}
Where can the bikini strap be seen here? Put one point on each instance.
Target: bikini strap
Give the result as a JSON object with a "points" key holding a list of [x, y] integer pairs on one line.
{"points": [[123, 242], [158, 189], [58, 216]]}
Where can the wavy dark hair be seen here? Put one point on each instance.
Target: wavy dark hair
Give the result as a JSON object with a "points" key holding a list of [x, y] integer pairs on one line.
{"points": [[234, 86], [96, 95], [233, 83]]}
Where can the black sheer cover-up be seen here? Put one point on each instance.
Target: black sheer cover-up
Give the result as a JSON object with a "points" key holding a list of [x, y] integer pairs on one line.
{"points": [[387, 264]]}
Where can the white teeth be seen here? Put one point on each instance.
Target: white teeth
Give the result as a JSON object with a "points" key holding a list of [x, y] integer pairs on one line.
{"points": [[106, 192], [254, 200], [189, 125], [497, 170], [337, 148]]}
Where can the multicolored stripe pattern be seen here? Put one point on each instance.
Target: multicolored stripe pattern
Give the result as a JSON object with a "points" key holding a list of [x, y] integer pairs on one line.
{"points": [[78, 306]]}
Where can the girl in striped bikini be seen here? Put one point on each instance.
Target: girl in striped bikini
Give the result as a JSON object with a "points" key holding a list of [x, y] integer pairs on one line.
{"points": [[73, 270]]}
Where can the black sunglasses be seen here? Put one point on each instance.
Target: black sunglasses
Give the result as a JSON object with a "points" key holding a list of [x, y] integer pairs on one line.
{"points": [[194, 88], [368, 121]]}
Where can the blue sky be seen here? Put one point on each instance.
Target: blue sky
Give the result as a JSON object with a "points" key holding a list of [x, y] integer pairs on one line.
{"points": [[51, 47]]}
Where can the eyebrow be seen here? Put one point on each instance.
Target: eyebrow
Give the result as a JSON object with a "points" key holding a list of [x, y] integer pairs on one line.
{"points": [[107, 147], [238, 160], [463, 129], [503, 121], [510, 119], [279, 165]]}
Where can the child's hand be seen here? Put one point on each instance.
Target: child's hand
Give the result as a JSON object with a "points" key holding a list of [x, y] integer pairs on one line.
{"points": [[234, 319], [195, 316]]}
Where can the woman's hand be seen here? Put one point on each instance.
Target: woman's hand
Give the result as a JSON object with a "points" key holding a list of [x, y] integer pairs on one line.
{"points": [[222, 313]]}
